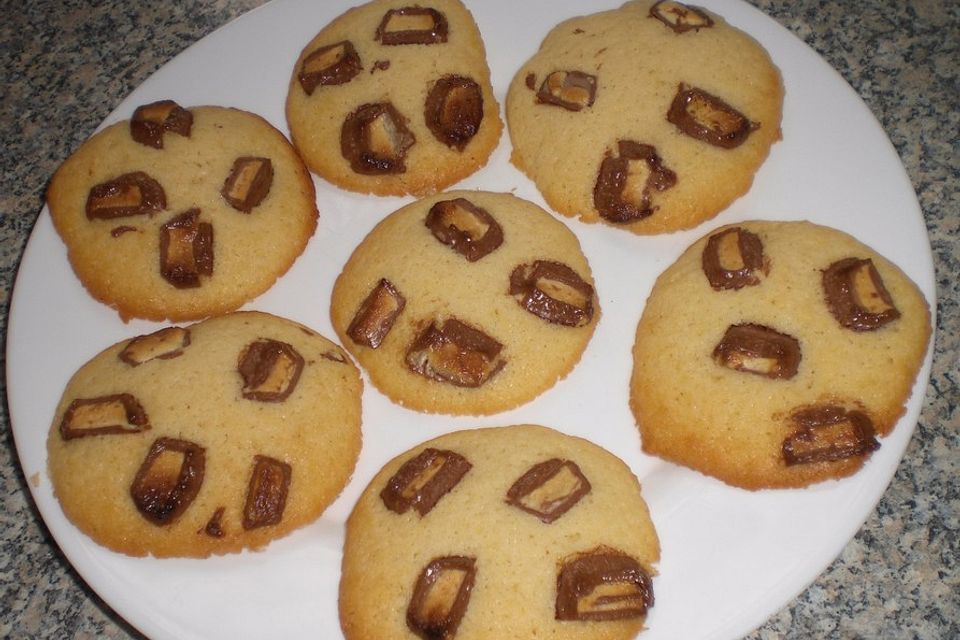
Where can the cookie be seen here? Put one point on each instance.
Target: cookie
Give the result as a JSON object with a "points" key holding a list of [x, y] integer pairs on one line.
{"points": [[776, 354], [466, 302], [180, 213], [652, 117], [509, 532], [394, 98], [206, 439]]}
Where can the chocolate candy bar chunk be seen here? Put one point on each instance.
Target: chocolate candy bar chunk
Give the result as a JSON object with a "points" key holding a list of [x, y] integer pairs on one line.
{"points": [[441, 596], [168, 479], [422, 481], [603, 584]]}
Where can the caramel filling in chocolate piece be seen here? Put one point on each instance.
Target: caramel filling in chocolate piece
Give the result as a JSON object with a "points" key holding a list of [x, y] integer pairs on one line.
{"points": [[132, 194], [168, 480], [266, 492], [151, 121], [376, 315], [105, 415], [549, 489], [333, 64], [554, 292], [455, 353], [603, 584], [412, 25], [572, 90], [856, 295], [733, 259], [706, 117], [453, 110], [249, 183], [375, 139], [466, 228], [754, 348], [827, 434], [164, 344], [423, 480], [680, 17], [440, 597], [186, 250], [270, 370], [627, 182]]}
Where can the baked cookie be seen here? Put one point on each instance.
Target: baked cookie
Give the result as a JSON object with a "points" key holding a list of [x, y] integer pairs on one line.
{"points": [[393, 97], [466, 302], [183, 213], [206, 439], [652, 117], [774, 354], [509, 532]]}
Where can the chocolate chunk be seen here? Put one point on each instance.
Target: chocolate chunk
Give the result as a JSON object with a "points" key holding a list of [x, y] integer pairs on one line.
{"points": [[468, 229], [572, 90], [856, 295], [603, 584], [214, 526], [626, 182], [754, 348], [680, 17], [531, 81], [164, 344], [334, 355], [455, 353], [380, 65], [453, 110], [270, 370], [132, 194], [186, 250], [706, 117], [553, 291], [336, 63], [440, 597], [828, 433], [151, 121], [116, 232], [549, 489], [249, 183], [423, 480], [376, 315], [412, 25], [733, 259], [266, 492], [375, 139], [104, 415], [168, 480]]}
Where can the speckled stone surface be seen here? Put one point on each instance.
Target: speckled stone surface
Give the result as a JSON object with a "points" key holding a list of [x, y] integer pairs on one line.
{"points": [[65, 64]]}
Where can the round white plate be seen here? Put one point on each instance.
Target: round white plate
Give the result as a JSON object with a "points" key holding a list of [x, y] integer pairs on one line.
{"points": [[731, 558]]}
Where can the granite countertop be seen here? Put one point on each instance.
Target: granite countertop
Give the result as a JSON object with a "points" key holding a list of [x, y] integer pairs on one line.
{"points": [[67, 63]]}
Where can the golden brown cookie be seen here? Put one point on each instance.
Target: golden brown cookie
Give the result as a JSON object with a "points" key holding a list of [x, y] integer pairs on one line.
{"points": [[775, 354], [206, 439], [466, 302], [394, 98], [510, 532], [652, 117], [183, 213]]}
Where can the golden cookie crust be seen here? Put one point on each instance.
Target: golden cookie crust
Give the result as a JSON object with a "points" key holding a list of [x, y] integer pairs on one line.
{"points": [[117, 259], [639, 64], [198, 397], [733, 424], [517, 555], [403, 76], [439, 283]]}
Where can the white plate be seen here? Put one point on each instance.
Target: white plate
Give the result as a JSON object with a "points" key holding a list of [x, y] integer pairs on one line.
{"points": [[731, 558]]}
